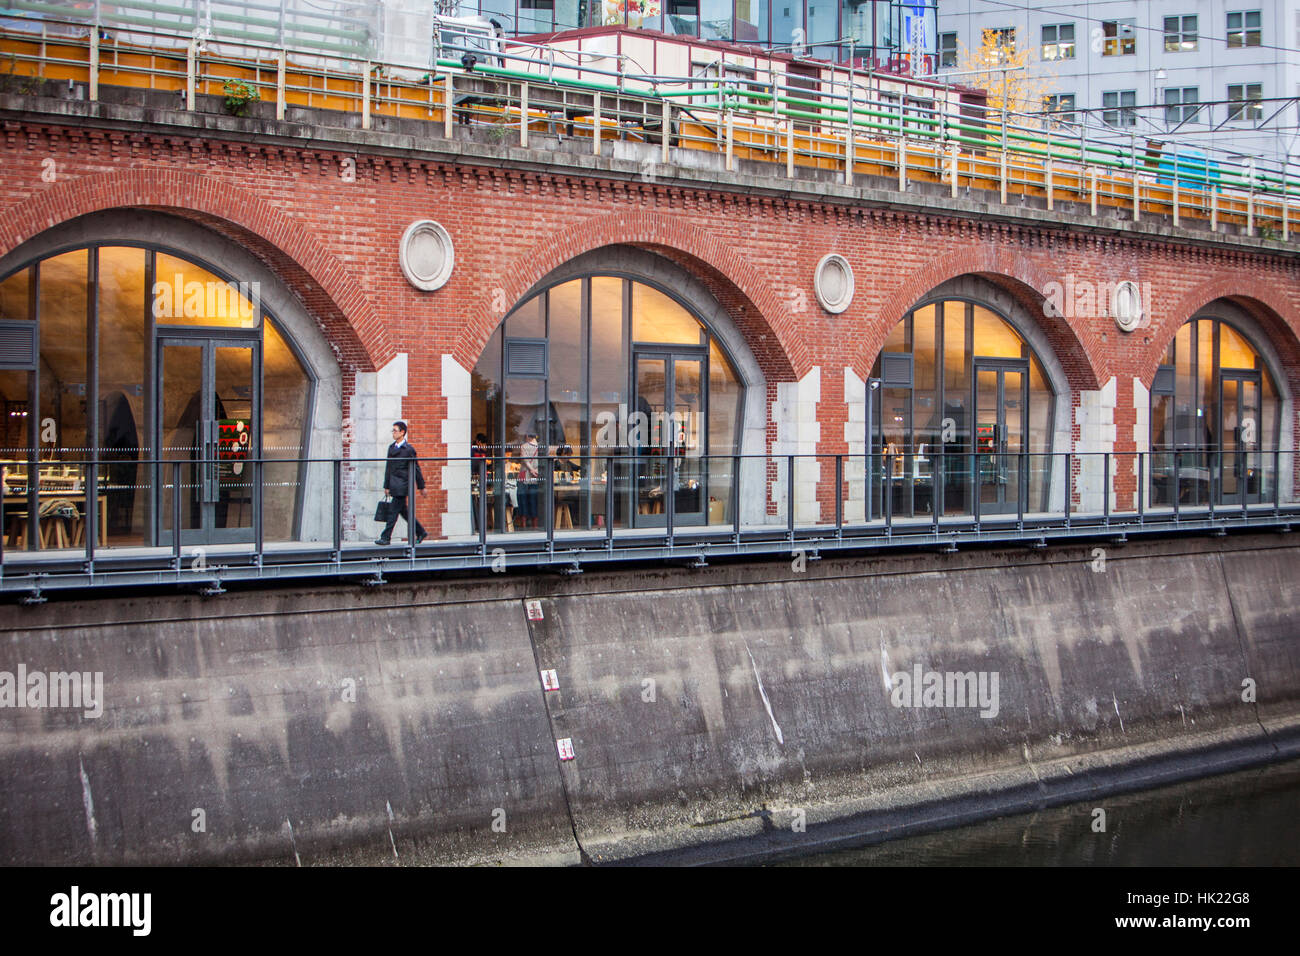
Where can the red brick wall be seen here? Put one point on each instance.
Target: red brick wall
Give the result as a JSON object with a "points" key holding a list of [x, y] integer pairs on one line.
{"points": [[335, 244]]}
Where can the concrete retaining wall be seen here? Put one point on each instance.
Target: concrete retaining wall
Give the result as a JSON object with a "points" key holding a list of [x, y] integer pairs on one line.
{"points": [[710, 708]]}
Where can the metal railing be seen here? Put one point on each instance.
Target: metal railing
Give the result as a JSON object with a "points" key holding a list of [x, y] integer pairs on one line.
{"points": [[305, 518], [855, 124]]}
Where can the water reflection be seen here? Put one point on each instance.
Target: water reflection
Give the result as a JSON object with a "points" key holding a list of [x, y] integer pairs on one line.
{"points": [[1247, 818]]}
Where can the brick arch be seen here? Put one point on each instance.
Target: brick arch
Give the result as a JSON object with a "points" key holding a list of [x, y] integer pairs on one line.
{"points": [[1020, 278], [742, 290], [1275, 312], [287, 247]]}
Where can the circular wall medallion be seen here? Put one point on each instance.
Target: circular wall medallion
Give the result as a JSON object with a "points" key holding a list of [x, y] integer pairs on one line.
{"points": [[833, 283], [426, 255], [1126, 306]]}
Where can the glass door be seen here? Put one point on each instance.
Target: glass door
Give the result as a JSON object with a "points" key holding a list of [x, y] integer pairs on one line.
{"points": [[668, 422], [209, 413], [1239, 465], [1001, 397]]}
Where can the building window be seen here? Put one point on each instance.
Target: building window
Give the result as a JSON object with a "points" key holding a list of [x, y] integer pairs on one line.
{"points": [[190, 367], [603, 380], [1243, 102], [947, 50], [1061, 106], [962, 412], [1180, 34], [1119, 37], [1181, 104], [1001, 43], [1119, 108], [1058, 41], [1243, 29], [1215, 404]]}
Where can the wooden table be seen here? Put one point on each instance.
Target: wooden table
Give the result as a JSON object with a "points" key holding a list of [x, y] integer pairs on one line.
{"points": [[16, 520]]}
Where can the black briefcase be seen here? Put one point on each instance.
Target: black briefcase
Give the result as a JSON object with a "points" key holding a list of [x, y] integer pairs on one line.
{"points": [[386, 509]]}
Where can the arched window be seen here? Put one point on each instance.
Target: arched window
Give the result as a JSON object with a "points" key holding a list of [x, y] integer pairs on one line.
{"points": [[960, 415], [1215, 418], [598, 372], [130, 357]]}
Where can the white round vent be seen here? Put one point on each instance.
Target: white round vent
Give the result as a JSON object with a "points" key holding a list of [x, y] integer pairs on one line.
{"points": [[426, 255], [1126, 306], [833, 283]]}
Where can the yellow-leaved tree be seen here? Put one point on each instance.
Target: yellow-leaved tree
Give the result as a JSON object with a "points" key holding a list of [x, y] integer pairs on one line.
{"points": [[1016, 79]]}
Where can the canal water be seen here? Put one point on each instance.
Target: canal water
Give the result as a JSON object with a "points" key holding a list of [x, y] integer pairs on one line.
{"points": [[1248, 818]]}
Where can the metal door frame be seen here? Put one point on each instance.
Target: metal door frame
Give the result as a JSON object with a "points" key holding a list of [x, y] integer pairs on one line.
{"points": [[1004, 505], [671, 353], [208, 341], [1239, 375]]}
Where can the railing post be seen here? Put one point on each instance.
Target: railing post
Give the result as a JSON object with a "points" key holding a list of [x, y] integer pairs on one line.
{"points": [[975, 490], [191, 69], [1142, 486], [1137, 185], [1176, 192], [936, 486], [1002, 174], [1214, 206], [280, 84], [1178, 483], [338, 509], [839, 496], [365, 97], [595, 123], [448, 105], [91, 511], [670, 497], [1092, 189], [887, 498], [902, 163], [1105, 489], [735, 498], [1020, 497], [789, 148], [1048, 166], [953, 152], [410, 511], [1277, 480], [849, 150], [1286, 206], [550, 505], [789, 497], [259, 527], [94, 63], [1250, 198], [667, 131], [480, 506], [609, 502], [176, 515], [731, 141], [523, 114], [1069, 483], [1245, 489]]}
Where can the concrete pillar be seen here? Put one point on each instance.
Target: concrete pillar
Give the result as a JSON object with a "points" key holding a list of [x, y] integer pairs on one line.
{"points": [[1095, 418], [376, 403], [798, 432], [455, 478], [855, 439]]}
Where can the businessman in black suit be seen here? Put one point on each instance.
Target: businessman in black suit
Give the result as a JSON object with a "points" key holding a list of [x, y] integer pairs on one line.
{"points": [[397, 482]]}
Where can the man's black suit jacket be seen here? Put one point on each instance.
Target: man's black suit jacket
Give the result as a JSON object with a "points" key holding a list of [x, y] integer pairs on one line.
{"points": [[397, 473]]}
